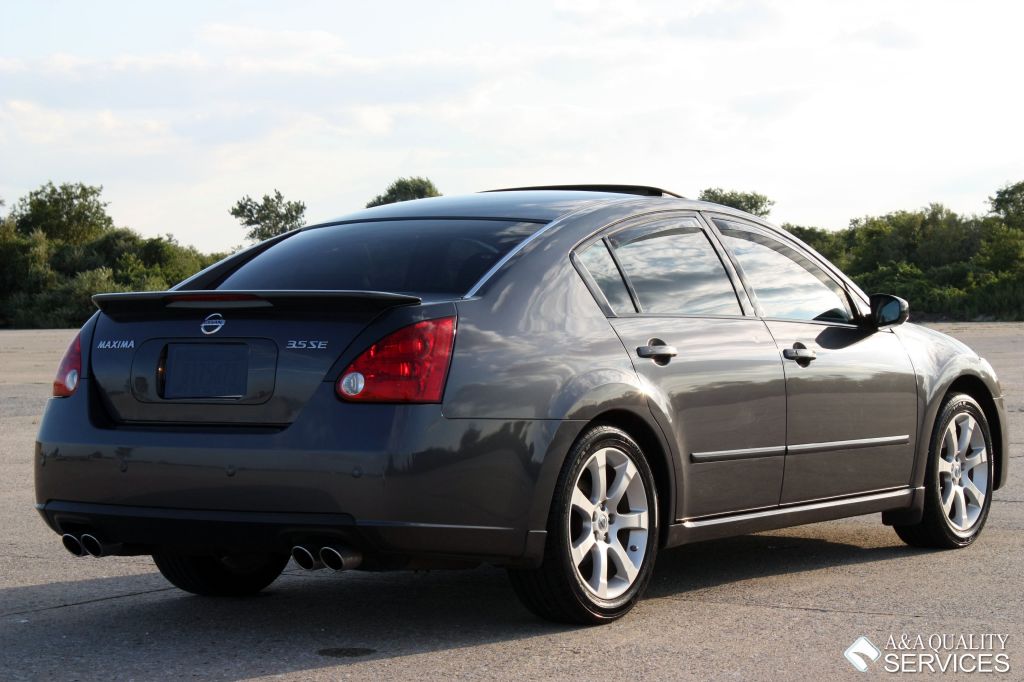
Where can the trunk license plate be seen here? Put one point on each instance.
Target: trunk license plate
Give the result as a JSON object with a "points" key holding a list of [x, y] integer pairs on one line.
{"points": [[206, 370]]}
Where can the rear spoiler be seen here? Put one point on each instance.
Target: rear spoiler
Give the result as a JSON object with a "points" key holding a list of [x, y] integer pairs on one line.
{"points": [[143, 302]]}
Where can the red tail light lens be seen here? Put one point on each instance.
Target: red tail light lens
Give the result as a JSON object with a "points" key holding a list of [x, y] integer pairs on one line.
{"points": [[70, 370], [406, 366]]}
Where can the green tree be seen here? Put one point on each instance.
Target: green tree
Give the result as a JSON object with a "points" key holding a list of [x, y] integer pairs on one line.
{"points": [[8, 230], [269, 217], [829, 244], [405, 189], [879, 241], [1001, 250], [944, 238], [71, 213], [114, 244], [751, 202], [165, 259], [68, 303], [1008, 204]]}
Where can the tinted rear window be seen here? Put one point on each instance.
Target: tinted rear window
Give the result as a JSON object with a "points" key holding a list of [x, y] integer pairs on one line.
{"points": [[401, 256], [675, 270]]}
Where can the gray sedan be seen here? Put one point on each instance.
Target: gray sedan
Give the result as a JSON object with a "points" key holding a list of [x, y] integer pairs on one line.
{"points": [[558, 380]]}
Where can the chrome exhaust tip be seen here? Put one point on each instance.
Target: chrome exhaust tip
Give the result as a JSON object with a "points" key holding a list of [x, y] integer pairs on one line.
{"points": [[305, 558], [72, 544], [340, 558], [93, 546]]}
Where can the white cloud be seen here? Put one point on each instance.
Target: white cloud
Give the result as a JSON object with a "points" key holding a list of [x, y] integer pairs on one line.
{"points": [[884, 34], [188, 60], [96, 132], [234, 38], [833, 109]]}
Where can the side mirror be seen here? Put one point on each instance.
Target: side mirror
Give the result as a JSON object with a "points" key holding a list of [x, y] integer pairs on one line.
{"points": [[888, 311]]}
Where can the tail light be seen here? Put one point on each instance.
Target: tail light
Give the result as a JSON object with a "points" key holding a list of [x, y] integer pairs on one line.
{"points": [[70, 370], [406, 366]]}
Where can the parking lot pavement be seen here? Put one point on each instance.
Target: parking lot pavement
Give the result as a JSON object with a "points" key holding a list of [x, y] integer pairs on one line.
{"points": [[784, 604]]}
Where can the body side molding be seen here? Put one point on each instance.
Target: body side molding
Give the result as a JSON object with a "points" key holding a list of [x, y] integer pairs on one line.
{"points": [[775, 450], [742, 453], [849, 444]]}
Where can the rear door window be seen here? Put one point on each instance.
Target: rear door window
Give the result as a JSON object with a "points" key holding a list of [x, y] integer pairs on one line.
{"points": [[675, 270], [432, 257]]}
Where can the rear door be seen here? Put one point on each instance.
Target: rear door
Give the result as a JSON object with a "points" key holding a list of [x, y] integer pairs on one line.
{"points": [[721, 395], [851, 391]]}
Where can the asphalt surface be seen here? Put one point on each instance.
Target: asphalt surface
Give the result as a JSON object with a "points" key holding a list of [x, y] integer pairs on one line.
{"points": [[779, 605]]}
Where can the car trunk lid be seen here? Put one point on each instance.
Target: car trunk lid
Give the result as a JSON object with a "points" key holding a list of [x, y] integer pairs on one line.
{"points": [[223, 357]]}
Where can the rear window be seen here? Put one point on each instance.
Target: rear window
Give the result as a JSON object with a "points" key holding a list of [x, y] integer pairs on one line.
{"points": [[400, 256]]}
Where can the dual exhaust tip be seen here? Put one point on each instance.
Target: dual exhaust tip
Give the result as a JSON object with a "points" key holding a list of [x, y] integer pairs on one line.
{"points": [[88, 545], [334, 557]]}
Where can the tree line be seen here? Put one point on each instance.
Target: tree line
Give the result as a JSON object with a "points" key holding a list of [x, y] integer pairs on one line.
{"points": [[58, 246]]}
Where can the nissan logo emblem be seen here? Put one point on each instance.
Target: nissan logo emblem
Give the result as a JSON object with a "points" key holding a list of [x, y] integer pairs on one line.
{"points": [[212, 323]]}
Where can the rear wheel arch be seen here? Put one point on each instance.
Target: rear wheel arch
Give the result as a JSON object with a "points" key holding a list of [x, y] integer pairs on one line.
{"points": [[977, 389]]}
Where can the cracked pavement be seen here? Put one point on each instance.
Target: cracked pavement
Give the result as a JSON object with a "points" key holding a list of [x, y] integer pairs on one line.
{"points": [[783, 604]]}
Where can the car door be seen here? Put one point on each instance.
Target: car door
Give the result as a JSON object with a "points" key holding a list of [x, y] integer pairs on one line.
{"points": [[721, 394], [851, 390]]}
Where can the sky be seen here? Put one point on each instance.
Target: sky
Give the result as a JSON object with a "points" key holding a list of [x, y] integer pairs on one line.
{"points": [[833, 109]]}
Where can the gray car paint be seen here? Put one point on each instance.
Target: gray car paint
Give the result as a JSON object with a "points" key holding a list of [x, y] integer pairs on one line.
{"points": [[537, 358]]}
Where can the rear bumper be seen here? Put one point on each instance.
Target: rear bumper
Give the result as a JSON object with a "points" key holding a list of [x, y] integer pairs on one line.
{"points": [[143, 530], [392, 480]]}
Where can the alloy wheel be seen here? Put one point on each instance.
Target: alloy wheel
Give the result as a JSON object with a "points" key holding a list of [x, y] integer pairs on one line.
{"points": [[609, 523], [963, 472]]}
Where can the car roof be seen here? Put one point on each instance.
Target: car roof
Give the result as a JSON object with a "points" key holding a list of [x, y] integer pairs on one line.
{"points": [[548, 204], [533, 205]]}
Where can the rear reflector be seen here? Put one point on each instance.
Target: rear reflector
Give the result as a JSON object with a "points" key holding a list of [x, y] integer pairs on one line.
{"points": [[70, 370], [407, 366]]}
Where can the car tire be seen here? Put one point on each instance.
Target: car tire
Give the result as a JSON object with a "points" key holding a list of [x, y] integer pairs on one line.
{"points": [[593, 530], [231, 575], [958, 479]]}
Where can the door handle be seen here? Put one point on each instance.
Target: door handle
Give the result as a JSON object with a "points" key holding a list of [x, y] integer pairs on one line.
{"points": [[799, 353], [657, 352]]}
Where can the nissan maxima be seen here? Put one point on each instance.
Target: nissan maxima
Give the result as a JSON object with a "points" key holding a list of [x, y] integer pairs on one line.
{"points": [[558, 380]]}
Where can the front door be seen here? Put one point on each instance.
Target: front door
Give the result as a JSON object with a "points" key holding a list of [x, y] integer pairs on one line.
{"points": [[851, 390]]}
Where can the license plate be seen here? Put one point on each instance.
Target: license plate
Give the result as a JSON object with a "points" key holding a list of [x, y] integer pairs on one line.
{"points": [[196, 370]]}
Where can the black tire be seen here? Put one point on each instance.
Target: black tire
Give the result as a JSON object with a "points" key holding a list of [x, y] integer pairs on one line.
{"points": [[936, 529], [556, 590], [232, 575]]}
